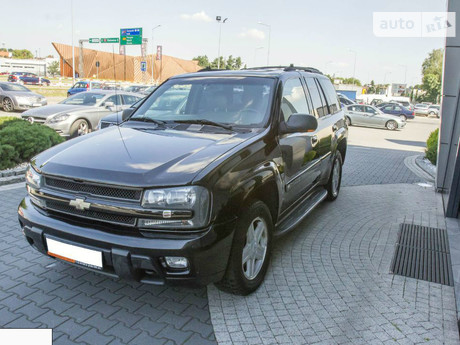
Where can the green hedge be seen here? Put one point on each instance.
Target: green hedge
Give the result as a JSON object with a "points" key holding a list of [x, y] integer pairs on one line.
{"points": [[431, 151], [21, 140]]}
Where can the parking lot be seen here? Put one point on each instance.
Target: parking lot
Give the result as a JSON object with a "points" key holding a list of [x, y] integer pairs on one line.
{"points": [[329, 281]]}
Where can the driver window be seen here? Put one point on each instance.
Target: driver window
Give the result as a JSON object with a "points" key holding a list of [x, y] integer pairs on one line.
{"points": [[294, 100], [370, 110]]}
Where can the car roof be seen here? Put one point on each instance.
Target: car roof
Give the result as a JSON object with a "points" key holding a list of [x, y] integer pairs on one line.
{"points": [[270, 71]]}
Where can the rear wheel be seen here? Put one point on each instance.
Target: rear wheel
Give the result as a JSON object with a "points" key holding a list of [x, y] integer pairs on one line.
{"points": [[7, 105], [348, 121], [335, 179], [391, 125], [403, 117], [79, 128], [250, 253]]}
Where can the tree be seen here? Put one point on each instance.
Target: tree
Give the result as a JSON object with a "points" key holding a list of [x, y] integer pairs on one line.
{"points": [[53, 68], [203, 61], [432, 75], [353, 81], [22, 54]]}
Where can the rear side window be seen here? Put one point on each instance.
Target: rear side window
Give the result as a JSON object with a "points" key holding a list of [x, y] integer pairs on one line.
{"points": [[129, 99], [319, 108], [294, 100], [331, 95]]}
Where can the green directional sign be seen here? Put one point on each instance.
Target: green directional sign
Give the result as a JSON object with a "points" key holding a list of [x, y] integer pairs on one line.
{"points": [[131, 36], [94, 40], [110, 40]]}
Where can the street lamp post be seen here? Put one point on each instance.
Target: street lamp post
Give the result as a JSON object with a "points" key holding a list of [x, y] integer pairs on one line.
{"points": [[354, 65], [255, 53], [73, 50], [153, 54], [269, 38], [220, 21]]}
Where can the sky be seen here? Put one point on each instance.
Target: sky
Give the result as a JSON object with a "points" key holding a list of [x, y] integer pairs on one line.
{"points": [[326, 34]]}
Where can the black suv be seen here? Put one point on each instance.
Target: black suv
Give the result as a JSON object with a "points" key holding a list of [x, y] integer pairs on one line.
{"points": [[196, 182]]}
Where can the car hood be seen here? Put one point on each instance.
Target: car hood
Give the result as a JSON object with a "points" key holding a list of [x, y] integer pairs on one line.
{"points": [[23, 94], [49, 110], [133, 157]]}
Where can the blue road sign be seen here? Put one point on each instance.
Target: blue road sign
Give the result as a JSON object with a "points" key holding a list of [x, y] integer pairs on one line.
{"points": [[143, 66]]}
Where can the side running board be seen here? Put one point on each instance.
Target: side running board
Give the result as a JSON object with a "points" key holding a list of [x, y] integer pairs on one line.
{"points": [[303, 210]]}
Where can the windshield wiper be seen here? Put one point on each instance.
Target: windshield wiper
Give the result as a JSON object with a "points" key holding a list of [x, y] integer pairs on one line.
{"points": [[206, 122], [148, 119]]}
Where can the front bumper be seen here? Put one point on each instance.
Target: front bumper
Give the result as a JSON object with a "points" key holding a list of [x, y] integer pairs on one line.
{"points": [[29, 105], [134, 257]]}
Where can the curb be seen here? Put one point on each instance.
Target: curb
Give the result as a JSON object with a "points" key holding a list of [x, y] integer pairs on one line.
{"points": [[411, 163], [14, 175], [420, 161]]}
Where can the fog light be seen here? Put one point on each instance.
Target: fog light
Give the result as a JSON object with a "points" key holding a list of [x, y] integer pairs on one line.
{"points": [[176, 261]]}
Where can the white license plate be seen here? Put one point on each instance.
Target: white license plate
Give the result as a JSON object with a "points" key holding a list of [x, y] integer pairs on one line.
{"points": [[37, 104], [74, 254]]}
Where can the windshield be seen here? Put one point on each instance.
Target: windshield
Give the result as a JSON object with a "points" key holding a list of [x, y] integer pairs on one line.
{"points": [[84, 98], [14, 87], [240, 101]]}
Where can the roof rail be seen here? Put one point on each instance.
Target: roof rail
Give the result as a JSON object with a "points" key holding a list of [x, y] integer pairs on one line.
{"points": [[291, 67], [209, 69]]}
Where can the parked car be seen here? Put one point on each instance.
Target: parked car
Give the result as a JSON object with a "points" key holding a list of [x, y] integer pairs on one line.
{"points": [[406, 104], [17, 97], [194, 197], [27, 78], [344, 100], [434, 110], [396, 109], [136, 88], [370, 116], [81, 86], [421, 109], [149, 90], [78, 114]]}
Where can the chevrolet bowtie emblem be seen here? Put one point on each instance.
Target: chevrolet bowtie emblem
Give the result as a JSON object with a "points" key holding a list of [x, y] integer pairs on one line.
{"points": [[80, 204]]}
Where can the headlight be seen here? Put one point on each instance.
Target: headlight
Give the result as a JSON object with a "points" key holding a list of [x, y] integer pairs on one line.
{"points": [[181, 207], [59, 118], [33, 178]]}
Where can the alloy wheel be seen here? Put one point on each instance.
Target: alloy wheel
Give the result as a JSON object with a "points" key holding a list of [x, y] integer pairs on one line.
{"points": [[8, 104], [82, 128], [255, 250], [336, 177]]}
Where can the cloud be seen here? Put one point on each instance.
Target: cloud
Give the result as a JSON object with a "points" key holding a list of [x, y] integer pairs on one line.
{"points": [[199, 17], [253, 33]]}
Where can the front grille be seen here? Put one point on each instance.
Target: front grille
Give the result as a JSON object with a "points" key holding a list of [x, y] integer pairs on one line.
{"points": [[94, 189], [90, 214], [35, 119]]}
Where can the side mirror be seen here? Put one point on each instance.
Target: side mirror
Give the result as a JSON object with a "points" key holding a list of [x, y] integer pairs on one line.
{"points": [[109, 104], [127, 113], [299, 123]]}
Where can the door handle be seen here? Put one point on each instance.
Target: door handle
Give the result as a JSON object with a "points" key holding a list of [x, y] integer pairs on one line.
{"points": [[334, 128], [314, 141]]}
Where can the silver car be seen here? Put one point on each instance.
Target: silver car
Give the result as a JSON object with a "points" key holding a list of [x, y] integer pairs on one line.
{"points": [[370, 116], [17, 97], [79, 114]]}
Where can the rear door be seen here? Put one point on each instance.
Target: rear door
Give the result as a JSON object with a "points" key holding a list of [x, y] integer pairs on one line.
{"points": [[300, 157]]}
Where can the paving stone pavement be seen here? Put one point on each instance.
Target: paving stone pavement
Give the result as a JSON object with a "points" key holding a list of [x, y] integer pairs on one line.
{"points": [[86, 308], [329, 280]]}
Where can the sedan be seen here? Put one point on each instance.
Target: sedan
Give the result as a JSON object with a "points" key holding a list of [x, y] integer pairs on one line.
{"points": [[398, 110], [79, 114], [369, 116], [421, 109], [434, 110], [17, 97], [28, 78]]}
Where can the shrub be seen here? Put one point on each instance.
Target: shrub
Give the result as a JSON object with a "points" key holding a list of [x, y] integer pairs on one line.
{"points": [[21, 140], [4, 120], [431, 151]]}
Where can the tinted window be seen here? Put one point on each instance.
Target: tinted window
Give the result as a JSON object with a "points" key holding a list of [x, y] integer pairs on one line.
{"points": [[331, 95], [129, 99], [116, 99], [294, 100], [319, 109], [83, 98]]}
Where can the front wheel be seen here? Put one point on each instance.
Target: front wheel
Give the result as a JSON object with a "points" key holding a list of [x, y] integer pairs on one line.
{"points": [[250, 253], [335, 179], [7, 105], [391, 125], [348, 121], [79, 128]]}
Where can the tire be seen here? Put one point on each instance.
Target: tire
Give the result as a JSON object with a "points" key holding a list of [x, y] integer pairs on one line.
{"points": [[403, 117], [79, 128], [391, 125], [347, 121], [430, 113], [7, 105], [335, 179], [68, 94], [239, 279]]}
